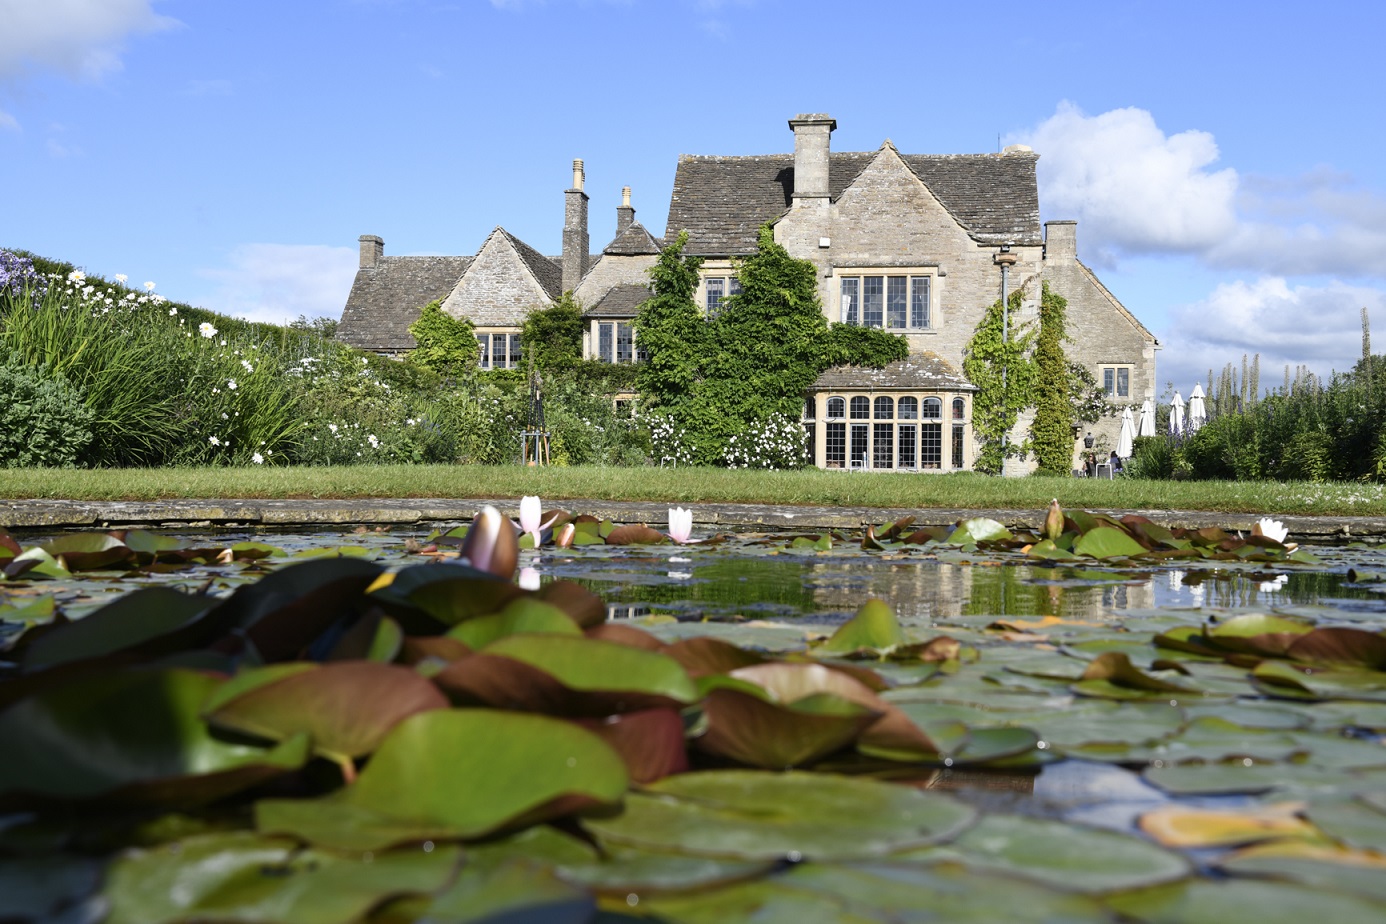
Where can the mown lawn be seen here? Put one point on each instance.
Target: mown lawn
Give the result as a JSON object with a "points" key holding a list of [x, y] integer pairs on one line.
{"points": [[684, 485]]}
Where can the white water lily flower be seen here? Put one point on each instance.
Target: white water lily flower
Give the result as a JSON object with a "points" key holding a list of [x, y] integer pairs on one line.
{"points": [[531, 512], [1271, 529], [680, 524], [529, 579]]}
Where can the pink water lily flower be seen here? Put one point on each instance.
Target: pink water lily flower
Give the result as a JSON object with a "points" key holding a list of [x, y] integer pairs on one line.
{"points": [[532, 518], [680, 524]]}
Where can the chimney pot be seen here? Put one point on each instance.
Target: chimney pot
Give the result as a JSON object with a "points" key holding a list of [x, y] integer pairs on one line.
{"points": [[372, 250], [578, 174], [1061, 241], [812, 136], [625, 196], [575, 240]]}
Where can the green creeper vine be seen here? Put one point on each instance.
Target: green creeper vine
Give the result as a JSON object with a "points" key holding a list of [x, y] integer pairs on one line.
{"points": [[995, 408], [446, 345], [1051, 432]]}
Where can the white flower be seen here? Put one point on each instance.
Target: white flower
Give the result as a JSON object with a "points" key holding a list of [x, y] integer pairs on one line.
{"points": [[680, 524], [375, 443], [173, 312], [258, 459], [122, 278], [231, 384], [529, 579], [76, 276], [207, 330], [225, 416], [332, 427], [214, 441], [149, 287], [1271, 529], [247, 366]]}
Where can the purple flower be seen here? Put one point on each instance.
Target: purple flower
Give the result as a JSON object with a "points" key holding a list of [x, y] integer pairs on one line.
{"points": [[17, 275]]}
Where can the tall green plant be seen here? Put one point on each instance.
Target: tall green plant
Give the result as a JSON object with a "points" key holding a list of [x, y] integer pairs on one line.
{"points": [[1003, 374], [552, 336], [671, 331], [446, 345], [1051, 431]]}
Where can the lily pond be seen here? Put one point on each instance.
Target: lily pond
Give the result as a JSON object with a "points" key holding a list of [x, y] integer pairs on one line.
{"points": [[1104, 720]]}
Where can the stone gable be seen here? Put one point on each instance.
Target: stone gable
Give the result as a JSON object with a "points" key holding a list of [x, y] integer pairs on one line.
{"points": [[499, 288]]}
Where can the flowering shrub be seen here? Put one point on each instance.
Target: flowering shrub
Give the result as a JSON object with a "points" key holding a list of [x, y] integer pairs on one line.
{"points": [[18, 276], [774, 443], [45, 422], [669, 444]]}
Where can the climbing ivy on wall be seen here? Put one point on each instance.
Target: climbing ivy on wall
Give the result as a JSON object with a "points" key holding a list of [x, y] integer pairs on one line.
{"points": [[722, 377], [1051, 432], [446, 345], [996, 407], [552, 336]]}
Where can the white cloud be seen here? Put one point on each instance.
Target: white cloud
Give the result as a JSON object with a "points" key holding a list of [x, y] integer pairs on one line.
{"points": [[278, 282], [1133, 188], [1137, 191], [1317, 326], [8, 121], [83, 38]]}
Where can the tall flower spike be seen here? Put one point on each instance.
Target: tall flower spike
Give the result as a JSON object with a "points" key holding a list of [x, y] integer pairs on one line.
{"points": [[680, 524], [491, 544]]}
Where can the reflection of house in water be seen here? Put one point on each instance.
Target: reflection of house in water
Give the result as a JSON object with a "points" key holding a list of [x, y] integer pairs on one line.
{"points": [[922, 591]]}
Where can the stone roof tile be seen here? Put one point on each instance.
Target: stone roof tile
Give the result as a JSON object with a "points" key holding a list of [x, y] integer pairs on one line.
{"points": [[918, 371], [635, 241], [546, 270], [723, 201], [388, 297], [622, 301]]}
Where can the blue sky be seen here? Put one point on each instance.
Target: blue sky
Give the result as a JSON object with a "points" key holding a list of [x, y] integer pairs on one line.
{"points": [[1223, 159]]}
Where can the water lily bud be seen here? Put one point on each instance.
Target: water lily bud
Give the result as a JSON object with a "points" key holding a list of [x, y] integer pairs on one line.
{"points": [[1054, 521], [491, 544], [565, 535]]}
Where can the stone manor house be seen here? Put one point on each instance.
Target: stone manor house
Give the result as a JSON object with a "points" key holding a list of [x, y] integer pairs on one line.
{"points": [[911, 243]]}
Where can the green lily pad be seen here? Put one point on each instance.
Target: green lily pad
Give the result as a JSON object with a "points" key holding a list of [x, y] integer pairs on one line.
{"points": [[1334, 869], [978, 529], [346, 707], [243, 877], [146, 623], [567, 674], [1107, 542], [460, 773], [133, 735], [759, 815], [1066, 856], [518, 890], [524, 614], [1204, 902], [874, 630]]}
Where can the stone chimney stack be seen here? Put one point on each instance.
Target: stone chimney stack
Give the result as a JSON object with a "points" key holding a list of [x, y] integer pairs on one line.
{"points": [[372, 249], [575, 241], [1061, 241], [625, 214], [812, 132]]}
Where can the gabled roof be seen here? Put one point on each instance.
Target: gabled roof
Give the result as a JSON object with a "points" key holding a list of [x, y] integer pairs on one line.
{"points": [[548, 272], [723, 201], [635, 241], [622, 301], [918, 371], [386, 299]]}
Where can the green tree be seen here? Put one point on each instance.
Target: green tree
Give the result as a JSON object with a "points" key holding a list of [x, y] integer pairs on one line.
{"points": [[671, 331], [446, 345], [552, 336], [1051, 432], [987, 361]]}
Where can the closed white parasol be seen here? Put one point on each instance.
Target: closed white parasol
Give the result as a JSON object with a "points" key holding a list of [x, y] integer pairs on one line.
{"points": [[1147, 424], [1127, 435], [1198, 414]]}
